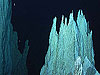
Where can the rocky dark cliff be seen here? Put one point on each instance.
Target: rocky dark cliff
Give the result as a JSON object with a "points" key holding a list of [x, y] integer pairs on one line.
{"points": [[12, 62]]}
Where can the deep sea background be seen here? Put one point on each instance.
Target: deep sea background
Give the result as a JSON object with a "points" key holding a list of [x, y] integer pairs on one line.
{"points": [[32, 19]]}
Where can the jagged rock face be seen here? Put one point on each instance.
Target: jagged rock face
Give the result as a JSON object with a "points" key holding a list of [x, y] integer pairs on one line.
{"points": [[12, 62], [70, 51]]}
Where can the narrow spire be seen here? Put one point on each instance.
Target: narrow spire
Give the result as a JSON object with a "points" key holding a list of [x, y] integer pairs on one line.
{"points": [[81, 12], [62, 21], [78, 17], [54, 22], [70, 17], [65, 20]]}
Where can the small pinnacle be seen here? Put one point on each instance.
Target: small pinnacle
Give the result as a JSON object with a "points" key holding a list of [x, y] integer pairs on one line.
{"points": [[62, 18], [65, 20]]}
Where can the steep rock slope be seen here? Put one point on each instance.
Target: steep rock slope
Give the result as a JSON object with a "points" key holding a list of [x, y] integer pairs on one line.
{"points": [[12, 62]]}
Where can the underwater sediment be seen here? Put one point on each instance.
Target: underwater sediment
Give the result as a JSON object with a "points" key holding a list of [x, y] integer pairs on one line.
{"points": [[71, 51]]}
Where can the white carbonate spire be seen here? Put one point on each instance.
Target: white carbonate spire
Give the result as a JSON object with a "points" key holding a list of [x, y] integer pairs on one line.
{"points": [[65, 20], [81, 12], [62, 21], [70, 18], [54, 24], [71, 52], [53, 29], [54, 21]]}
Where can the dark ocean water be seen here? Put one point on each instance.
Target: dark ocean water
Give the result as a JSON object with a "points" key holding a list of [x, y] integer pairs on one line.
{"points": [[32, 19]]}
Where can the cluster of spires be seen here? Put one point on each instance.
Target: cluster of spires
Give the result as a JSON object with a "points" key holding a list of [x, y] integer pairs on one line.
{"points": [[80, 13], [74, 40]]}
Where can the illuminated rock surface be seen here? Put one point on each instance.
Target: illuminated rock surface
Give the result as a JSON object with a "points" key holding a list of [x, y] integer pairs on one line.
{"points": [[71, 52], [12, 62]]}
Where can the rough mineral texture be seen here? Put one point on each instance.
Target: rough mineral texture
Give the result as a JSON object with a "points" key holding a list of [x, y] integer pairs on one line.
{"points": [[12, 62], [71, 52]]}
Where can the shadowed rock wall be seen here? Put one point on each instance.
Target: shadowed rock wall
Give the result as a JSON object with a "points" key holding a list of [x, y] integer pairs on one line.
{"points": [[12, 62]]}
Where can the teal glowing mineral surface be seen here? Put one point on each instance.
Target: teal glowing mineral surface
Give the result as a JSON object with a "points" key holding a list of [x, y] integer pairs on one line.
{"points": [[71, 51]]}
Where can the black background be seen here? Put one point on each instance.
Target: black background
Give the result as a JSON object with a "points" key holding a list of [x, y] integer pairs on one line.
{"points": [[32, 19]]}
